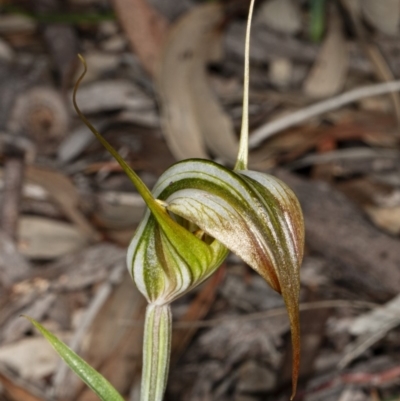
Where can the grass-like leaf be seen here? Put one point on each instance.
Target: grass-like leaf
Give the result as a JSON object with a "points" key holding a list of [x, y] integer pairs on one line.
{"points": [[90, 376]]}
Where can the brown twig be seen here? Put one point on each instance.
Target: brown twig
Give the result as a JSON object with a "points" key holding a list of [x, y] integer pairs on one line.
{"points": [[274, 127], [381, 67], [361, 378], [13, 180]]}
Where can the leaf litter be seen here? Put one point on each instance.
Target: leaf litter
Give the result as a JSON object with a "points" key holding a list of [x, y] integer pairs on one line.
{"points": [[168, 100]]}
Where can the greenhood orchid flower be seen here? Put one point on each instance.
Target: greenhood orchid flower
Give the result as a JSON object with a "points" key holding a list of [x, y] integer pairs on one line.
{"points": [[197, 212], [254, 215]]}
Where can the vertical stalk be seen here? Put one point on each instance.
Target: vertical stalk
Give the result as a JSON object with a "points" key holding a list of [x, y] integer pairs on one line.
{"points": [[156, 352], [243, 155]]}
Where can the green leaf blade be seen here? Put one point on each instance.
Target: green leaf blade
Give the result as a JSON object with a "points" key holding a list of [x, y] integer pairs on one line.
{"points": [[93, 379]]}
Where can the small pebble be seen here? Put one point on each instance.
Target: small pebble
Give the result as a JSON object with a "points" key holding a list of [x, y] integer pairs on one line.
{"points": [[281, 72]]}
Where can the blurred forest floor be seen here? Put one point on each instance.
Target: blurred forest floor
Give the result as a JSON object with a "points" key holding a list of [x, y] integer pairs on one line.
{"points": [[164, 83]]}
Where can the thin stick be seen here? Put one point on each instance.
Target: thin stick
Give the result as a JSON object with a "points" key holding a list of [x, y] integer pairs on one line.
{"points": [[343, 155], [13, 181], [366, 342], [270, 129]]}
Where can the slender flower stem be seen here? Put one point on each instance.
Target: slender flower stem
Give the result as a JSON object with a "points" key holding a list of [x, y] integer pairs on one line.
{"points": [[243, 155], [156, 352]]}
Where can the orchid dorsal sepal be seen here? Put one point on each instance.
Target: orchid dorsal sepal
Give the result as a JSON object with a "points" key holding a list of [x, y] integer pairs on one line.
{"points": [[254, 215]]}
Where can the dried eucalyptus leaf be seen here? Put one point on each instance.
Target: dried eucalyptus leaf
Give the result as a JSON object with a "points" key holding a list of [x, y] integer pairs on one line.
{"points": [[191, 115], [384, 15], [280, 15], [386, 218], [29, 352], [42, 238], [111, 95], [328, 75]]}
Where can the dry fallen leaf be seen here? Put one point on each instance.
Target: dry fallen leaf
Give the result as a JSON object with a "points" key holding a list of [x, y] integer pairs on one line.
{"points": [[329, 72], [119, 210], [371, 327], [76, 142], [280, 15], [191, 115], [36, 351], [371, 321], [386, 218], [381, 202], [13, 266], [100, 64], [19, 390], [6, 52], [111, 95], [43, 238], [145, 28], [41, 113], [381, 67], [64, 192], [384, 15], [281, 72]]}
